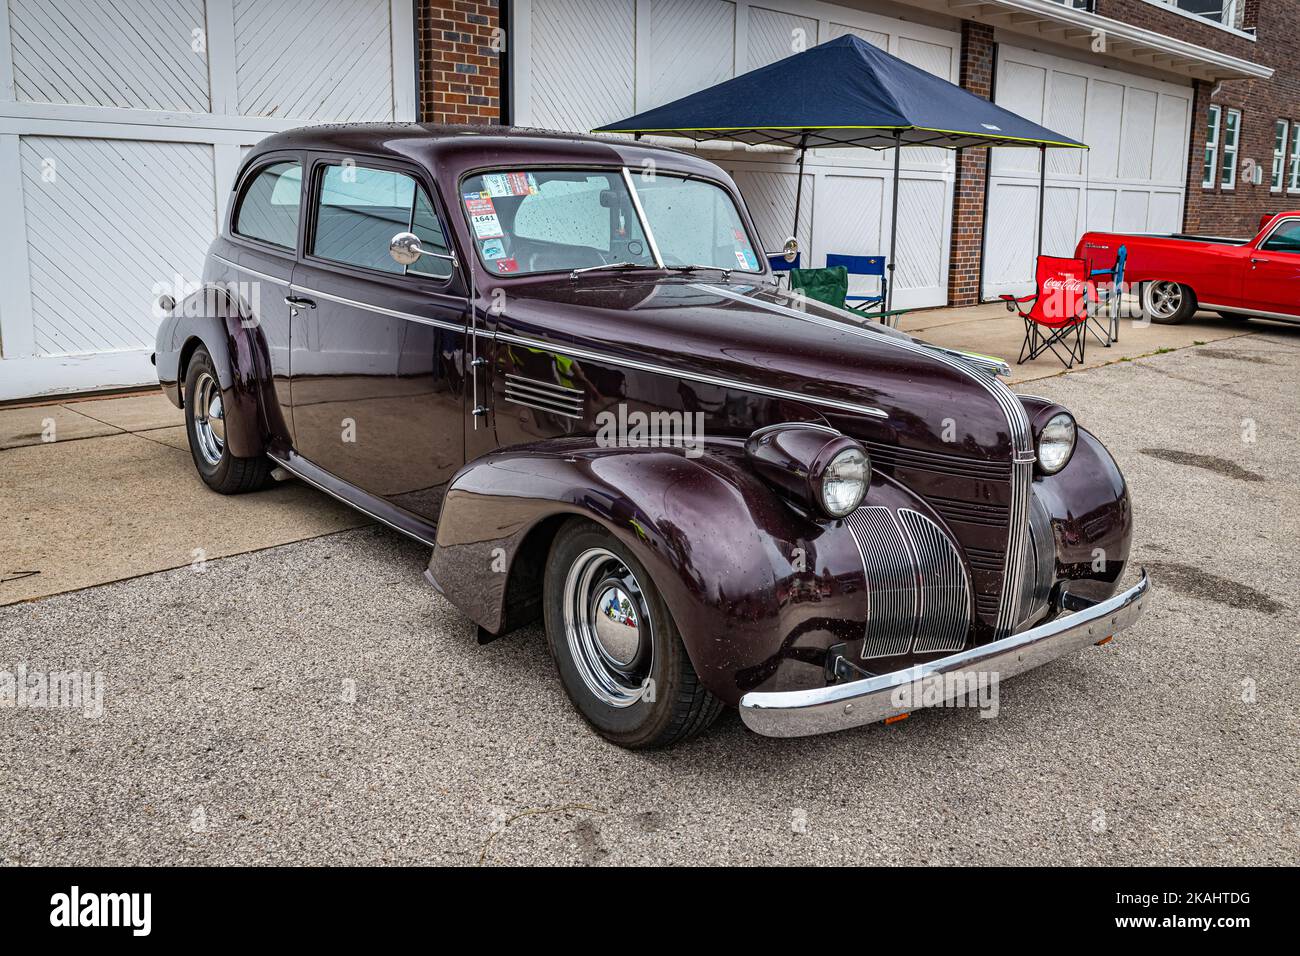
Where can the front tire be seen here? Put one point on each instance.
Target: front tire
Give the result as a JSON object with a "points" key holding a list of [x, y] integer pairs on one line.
{"points": [[205, 426], [1168, 303], [615, 644]]}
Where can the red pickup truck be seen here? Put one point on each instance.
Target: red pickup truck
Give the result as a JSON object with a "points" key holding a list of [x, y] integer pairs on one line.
{"points": [[1238, 278]]}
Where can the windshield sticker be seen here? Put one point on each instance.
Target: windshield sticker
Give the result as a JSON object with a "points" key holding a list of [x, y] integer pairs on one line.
{"points": [[747, 259], [495, 184], [522, 184], [483, 216], [509, 184], [507, 265], [494, 249]]}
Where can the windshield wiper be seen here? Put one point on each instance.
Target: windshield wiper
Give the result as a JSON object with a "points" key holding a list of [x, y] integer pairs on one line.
{"points": [[609, 265], [686, 270]]}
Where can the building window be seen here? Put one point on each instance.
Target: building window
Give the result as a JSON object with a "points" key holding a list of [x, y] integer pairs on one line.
{"points": [[1227, 12], [1280, 130], [1211, 149], [1231, 136]]}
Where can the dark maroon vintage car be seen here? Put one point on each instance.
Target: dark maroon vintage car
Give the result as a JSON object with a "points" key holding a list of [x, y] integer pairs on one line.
{"points": [[563, 363]]}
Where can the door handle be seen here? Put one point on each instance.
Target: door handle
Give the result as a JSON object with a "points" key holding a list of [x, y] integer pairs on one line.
{"points": [[1254, 261], [298, 302]]}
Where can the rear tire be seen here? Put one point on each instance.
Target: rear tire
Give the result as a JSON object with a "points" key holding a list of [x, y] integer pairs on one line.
{"points": [[205, 427], [618, 651], [1168, 303]]}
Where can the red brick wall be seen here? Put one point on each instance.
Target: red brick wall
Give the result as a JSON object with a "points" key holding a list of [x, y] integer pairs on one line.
{"points": [[1262, 102], [460, 44], [972, 173]]}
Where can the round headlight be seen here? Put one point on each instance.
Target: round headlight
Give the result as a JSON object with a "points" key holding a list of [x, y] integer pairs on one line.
{"points": [[1056, 443], [844, 482]]}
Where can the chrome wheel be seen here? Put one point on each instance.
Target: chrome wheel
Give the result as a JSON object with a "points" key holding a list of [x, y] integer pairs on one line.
{"points": [[607, 627], [209, 419], [1164, 299]]}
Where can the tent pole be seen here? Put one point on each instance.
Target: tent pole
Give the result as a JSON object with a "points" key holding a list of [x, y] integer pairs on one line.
{"points": [[893, 222], [798, 189], [1042, 192]]}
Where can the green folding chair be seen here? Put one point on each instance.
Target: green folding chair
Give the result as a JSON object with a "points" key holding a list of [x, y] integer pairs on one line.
{"points": [[825, 285]]}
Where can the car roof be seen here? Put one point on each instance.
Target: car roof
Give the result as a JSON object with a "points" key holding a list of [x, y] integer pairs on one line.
{"points": [[457, 148]]}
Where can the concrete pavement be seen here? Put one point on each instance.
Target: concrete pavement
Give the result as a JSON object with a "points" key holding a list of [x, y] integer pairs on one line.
{"points": [[318, 703]]}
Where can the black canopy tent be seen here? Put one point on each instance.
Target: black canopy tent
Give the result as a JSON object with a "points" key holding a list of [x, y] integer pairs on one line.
{"points": [[846, 93]]}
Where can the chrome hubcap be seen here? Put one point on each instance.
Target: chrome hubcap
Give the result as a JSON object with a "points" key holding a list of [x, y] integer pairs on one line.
{"points": [[209, 419], [1165, 298], [607, 627]]}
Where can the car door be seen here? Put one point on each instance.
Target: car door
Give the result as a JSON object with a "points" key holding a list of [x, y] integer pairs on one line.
{"points": [[1273, 275], [377, 347], [258, 264]]}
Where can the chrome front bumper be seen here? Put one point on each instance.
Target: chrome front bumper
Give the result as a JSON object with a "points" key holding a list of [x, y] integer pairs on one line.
{"points": [[801, 713]]}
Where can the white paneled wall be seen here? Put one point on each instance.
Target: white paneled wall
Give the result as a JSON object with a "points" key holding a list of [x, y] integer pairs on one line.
{"points": [[122, 125], [1131, 179], [576, 71]]}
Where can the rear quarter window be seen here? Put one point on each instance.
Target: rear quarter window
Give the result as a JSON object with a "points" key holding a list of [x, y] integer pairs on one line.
{"points": [[268, 210]]}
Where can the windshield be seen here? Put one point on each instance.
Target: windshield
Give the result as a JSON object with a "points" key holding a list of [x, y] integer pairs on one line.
{"points": [[528, 221]]}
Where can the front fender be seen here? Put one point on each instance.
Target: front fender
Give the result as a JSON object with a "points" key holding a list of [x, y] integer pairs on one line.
{"points": [[1091, 517], [751, 583]]}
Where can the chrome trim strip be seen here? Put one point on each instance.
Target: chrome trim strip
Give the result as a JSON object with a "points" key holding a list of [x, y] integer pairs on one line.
{"points": [[690, 376], [539, 383], [1280, 316], [800, 713], [889, 570], [535, 394], [534, 403], [380, 310], [351, 504], [252, 272], [640, 214]]}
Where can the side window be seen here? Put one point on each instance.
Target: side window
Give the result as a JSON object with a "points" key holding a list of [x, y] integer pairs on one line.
{"points": [[269, 209], [1285, 238], [361, 209]]}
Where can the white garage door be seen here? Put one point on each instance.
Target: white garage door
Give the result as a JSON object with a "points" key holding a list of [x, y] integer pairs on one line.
{"points": [[638, 54], [122, 124], [1131, 179]]}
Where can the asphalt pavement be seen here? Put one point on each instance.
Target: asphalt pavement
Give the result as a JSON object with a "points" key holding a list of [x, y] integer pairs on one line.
{"points": [[318, 703]]}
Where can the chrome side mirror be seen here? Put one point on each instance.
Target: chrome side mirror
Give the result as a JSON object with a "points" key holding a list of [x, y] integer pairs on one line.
{"points": [[406, 250], [790, 251]]}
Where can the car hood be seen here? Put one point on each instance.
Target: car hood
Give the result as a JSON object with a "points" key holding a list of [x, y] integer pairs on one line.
{"points": [[758, 335]]}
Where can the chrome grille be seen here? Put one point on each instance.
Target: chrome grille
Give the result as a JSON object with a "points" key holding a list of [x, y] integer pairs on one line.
{"points": [[918, 592], [891, 581], [544, 396], [940, 463], [944, 620]]}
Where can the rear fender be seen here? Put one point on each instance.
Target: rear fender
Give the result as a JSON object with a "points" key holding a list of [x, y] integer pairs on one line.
{"points": [[217, 320]]}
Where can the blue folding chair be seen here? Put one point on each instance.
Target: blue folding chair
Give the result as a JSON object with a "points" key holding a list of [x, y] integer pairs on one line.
{"points": [[777, 261], [872, 305], [1110, 332]]}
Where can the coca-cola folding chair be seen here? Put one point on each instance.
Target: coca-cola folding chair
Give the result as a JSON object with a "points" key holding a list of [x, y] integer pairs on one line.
{"points": [[1058, 311]]}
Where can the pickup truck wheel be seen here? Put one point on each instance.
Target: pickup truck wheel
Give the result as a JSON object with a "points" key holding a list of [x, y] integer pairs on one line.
{"points": [[617, 649], [205, 425], [1167, 303]]}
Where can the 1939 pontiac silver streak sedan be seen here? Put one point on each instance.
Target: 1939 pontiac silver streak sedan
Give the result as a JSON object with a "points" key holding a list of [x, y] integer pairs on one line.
{"points": [[564, 364]]}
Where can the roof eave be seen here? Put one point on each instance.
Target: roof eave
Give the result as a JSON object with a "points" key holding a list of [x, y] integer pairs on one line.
{"points": [[1052, 20]]}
